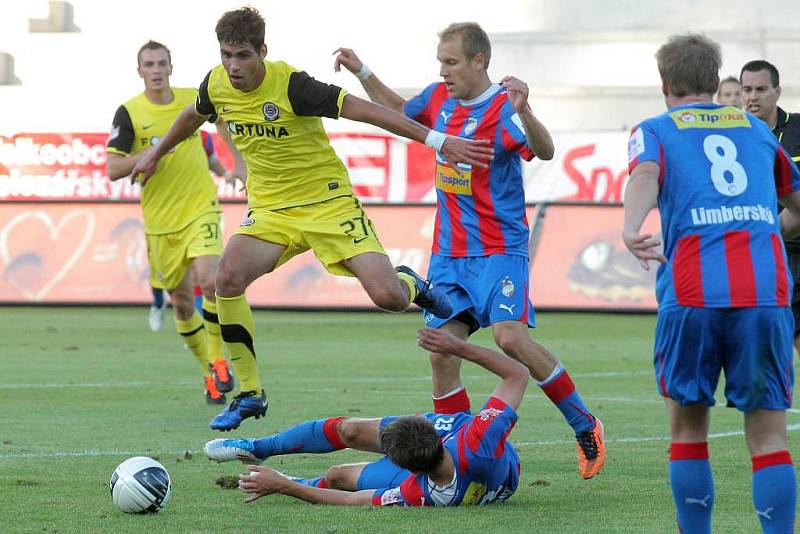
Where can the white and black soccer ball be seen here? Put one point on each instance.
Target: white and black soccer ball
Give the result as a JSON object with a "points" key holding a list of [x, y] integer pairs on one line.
{"points": [[140, 485]]}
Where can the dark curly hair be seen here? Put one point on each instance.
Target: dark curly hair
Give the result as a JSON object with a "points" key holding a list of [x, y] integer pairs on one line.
{"points": [[243, 25], [412, 443]]}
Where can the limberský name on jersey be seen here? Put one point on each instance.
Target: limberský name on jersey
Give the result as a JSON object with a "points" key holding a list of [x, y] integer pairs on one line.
{"points": [[257, 130], [725, 214]]}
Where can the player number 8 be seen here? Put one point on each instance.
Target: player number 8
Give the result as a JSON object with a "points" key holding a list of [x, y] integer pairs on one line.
{"points": [[721, 152]]}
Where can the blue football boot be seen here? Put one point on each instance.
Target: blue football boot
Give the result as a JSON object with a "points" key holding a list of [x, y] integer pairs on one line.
{"points": [[428, 297], [245, 404]]}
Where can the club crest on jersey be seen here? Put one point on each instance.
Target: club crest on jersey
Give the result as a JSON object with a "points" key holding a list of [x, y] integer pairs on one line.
{"points": [[471, 126], [507, 287], [271, 111], [488, 413]]}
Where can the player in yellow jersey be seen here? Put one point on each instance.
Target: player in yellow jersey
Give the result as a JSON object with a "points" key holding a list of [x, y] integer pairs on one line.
{"points": [[180, 210], [299, 192]]}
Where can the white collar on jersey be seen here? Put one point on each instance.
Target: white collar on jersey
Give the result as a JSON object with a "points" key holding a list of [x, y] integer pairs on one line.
{"points": [[483, 97]]}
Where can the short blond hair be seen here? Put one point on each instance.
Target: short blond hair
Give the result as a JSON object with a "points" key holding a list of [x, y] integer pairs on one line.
{"points": [[689, 64], [473, 39]]}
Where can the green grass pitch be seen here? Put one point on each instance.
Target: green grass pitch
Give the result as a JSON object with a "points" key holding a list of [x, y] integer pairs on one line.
{"points": [[82, 389]]}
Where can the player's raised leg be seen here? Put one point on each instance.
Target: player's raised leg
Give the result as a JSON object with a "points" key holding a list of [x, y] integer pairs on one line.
{"points": [[514, 340], [205, 269], [395, 289], [689, 466], [245, 259]]}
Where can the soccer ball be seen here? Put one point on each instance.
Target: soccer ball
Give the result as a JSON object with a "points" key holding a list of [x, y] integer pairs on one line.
{"points": [[140, 485]]}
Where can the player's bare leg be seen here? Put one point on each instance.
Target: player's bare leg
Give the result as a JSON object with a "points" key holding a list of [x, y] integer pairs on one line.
{"points": [[774, 476], [514, 340], [344, 477], [394, 289], [449, 395], [205, 271], [244, 260], [377, 276]]}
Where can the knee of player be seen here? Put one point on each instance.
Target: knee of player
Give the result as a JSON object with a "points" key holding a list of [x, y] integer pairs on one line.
{"points": [[510, 341], [184, 307], [227, 283], [348, 431], [339, 477], [392, 299], [208, 286]]}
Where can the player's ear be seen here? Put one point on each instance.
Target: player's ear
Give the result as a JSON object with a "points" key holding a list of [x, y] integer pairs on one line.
{"points": [[262, 52], [664, 88], [778, 91], [479, 61]]}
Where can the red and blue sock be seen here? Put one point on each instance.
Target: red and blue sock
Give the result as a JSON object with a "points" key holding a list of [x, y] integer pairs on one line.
{"points": [[775, 491], [560, 389], [692, 486], [312, 436]]}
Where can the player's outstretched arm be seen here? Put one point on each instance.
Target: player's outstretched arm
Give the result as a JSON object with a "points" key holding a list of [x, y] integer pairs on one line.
{"points": [[377, 91], [239, 171], [264, 481], [514, 374], [119, 166], [641, 195], [454, 149], [539, 138], [185, 125]]}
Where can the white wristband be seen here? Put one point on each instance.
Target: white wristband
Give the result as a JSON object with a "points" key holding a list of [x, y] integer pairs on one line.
{"points": [[364, 73], [435, 140]]}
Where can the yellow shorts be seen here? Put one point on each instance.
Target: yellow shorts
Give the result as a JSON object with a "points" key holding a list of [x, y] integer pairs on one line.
{"points": [[336, 230], [171, 255]]}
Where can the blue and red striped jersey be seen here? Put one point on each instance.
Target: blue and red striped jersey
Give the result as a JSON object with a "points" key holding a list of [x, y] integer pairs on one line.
{"points": [[482, 211], [486, 464], [721, 173]]}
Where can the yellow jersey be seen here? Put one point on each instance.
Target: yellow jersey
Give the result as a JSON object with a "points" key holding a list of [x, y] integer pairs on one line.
{"points": [[182, 189], [278, 130]]}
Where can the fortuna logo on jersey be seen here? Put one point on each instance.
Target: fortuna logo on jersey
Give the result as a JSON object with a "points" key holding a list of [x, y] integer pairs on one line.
{"points": [[727, 117], [257, 130]]}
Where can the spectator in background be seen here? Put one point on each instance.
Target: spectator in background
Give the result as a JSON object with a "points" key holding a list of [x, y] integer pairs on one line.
{"points": [[761, 90], [729, 92], [180, 210]]}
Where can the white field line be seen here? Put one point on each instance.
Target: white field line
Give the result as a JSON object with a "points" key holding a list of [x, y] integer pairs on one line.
{"points": [[346, 380]]}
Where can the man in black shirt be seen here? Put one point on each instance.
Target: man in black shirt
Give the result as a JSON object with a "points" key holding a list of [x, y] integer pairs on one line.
{"points": [[760, 93]]}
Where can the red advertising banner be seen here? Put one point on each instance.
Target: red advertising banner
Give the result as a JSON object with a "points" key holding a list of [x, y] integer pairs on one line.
{"points": [[95, 253], [383, 168], [581, 262]]}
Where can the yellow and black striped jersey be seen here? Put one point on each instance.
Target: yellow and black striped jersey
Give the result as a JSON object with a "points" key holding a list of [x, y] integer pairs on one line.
{"points": [[278, 130], [182, 189]]}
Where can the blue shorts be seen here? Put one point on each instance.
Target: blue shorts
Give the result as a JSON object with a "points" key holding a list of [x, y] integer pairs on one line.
{"points": [[484, 290], [752, 345]]}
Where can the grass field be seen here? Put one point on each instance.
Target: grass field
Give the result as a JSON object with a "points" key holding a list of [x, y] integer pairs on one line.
{"points": [[82, 389]]}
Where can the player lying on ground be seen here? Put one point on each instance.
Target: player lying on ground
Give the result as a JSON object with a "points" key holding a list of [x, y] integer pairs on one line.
{"points": [[431, 460]]}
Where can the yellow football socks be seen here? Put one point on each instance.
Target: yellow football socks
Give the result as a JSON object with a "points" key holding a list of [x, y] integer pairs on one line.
{"points": [[211, 322], [408, 280], [236, 324], [194, 335]]}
